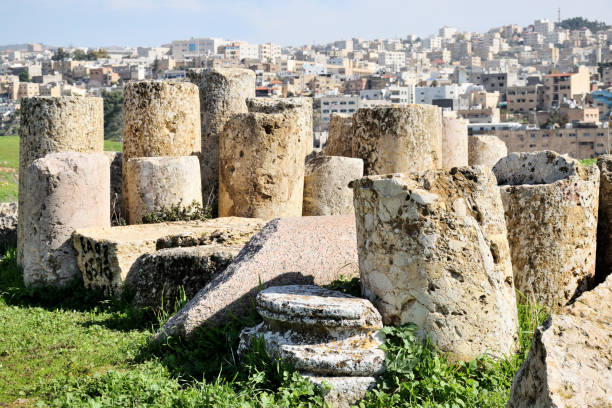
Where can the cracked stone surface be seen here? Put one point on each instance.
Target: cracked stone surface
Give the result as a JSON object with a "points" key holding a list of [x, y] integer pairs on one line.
{"points": [[398, 139], [550, 202], [52, 125], [454, 141], [340, 136], [604, 223], [433, 251]]}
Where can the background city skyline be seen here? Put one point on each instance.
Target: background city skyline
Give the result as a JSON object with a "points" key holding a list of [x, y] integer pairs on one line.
{"points": [[291, 22]]}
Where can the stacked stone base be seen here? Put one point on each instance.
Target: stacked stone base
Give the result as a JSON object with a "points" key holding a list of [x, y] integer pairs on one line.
{"points": [[329, 337]]}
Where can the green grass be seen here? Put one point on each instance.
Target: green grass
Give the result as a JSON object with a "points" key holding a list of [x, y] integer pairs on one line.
{"points": [[72, 348], [113, 146]]}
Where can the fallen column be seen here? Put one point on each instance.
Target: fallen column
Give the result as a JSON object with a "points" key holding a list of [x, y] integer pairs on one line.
{"points": [[64, 191], [433, 251]]}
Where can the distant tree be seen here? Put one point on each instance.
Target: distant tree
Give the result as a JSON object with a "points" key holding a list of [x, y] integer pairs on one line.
{"points": [[113, 114], [60, 55], [434, 83], [99, 53], [79, 55], [24, 76], [576, 23]]}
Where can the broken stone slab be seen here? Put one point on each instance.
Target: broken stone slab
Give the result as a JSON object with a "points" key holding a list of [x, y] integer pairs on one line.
{"points": [[550, 202], [164, 273], [570, 357], [115, 160], [604, 223], [340, 136], [326, 179], [296, 250], [345, 391], [8, 227], [107, 256], [485, 150], [308, 305], [433, 251], [63, 192], [397, 139]]}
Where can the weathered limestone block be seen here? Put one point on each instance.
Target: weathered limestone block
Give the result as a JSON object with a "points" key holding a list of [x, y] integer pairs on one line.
{"points": [[161, 118], [486, 150], [288, 251], [262, 156], [151, 183], [551, 205], [8, 226], [454, 141], [107, 257], [223, 93], [398, 139], [340, 136], [116, 187], [433, 251], [604, 224], [163, 273], [326, 179], [63, 192], [52, 125], [326, 335], [570, 357]]}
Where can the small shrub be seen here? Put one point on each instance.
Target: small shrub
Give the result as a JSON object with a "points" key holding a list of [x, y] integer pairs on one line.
{"points": [[179, 212]]}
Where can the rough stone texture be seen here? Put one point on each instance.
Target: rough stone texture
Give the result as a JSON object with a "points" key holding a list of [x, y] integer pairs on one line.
{"points": [[570, 358], [433, 251], [326, 335], [63, 191], [161, 118], [223, 93], [162, 273], [551, 204], [485, 150], [340, 136], [299, 250], [151, 183], [398, 139], [116, 187], [52, 125], [326, 179], [261, 159], [107, 257], [454, 141], [8, 226], [604, 224]]}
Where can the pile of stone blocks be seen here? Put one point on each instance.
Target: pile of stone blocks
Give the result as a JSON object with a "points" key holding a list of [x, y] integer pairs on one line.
{"points": [[326, 335]]}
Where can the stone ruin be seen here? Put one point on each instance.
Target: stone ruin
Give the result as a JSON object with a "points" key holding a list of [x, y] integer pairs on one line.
{"points": [[441, 245]]}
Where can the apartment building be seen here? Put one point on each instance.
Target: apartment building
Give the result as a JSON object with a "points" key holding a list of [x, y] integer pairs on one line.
{"points": [[338, 104], [494, 82], [392, 59], [484, 115], [195, 47], [523, 99], [567, 85], [269, 52], [402, 95]]}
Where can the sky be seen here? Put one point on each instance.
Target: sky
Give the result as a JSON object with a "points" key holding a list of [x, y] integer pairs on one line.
{"points": [[95, 23]]}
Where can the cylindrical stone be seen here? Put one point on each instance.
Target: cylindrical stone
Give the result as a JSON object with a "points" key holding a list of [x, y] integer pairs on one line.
{"points": [[604, 223], [223, 93], [454, 141], [161, 118], [56, 124], [64, 191], [340, 136], [398, 139], [152, 183], [326, 180], [551, 204], [433, 251], [261, 159], [486, 150]]}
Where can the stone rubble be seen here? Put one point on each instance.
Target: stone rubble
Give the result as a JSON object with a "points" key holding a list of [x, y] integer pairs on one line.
{"points": [[326, 335], [433, 251], [551, 205]]}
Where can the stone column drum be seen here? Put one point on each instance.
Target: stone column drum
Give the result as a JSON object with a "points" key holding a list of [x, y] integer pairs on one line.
{"points": [[398, 139], [156, 182], [64, 191], [261, 159], [340, 136], [486, 150], [326, 180], [223, 93], [161, 118], [551, 205], [604, 223], [454, 141], [56, 124], [433, 251]]}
